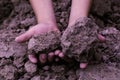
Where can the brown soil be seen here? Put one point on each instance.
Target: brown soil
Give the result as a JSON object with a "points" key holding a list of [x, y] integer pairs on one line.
{"points": [[16, 16]]}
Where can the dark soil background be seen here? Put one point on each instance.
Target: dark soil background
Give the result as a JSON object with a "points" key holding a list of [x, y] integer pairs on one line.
{"points": [[16, 16]]}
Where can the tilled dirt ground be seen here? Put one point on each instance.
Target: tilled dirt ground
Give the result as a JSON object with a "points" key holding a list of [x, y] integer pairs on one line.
{"points": [[16, 16]]}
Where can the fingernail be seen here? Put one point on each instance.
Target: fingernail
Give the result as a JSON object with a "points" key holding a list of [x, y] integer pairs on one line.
{"points": [[51, 54], [57, 52], [32, 59], [101, 38], [61, 55], [50, 57], [83, 65], [42, 58], [16, 39]]}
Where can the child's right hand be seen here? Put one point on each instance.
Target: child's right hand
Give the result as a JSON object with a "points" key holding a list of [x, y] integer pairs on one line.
{"points": [[39, 29]]}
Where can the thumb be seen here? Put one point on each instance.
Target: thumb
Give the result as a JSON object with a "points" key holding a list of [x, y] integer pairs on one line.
{"points": [[24, 37]]}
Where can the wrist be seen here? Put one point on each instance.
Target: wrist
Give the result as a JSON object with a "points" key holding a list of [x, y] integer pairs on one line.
{"points": [[49, 25]]}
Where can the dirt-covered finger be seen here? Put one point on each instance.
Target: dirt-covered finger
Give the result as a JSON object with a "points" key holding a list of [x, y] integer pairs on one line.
{"points": [[32, 58], [101, 37], [24, 37], [83, 65], [51, 56]]}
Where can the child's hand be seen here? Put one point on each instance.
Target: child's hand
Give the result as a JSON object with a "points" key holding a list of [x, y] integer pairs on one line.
{"points": [[39, 29], [102, 39]]}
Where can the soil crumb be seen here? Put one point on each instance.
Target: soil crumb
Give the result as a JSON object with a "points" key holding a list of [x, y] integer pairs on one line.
{"points": [[44, 42], [30, 67]]}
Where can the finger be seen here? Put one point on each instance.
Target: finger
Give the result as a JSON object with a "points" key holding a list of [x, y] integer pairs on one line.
{"points": [[32, 58], [83, 65], [61, 55], [43, 58], [24, 37], [57, 52], [101, 38], [51, 56]]}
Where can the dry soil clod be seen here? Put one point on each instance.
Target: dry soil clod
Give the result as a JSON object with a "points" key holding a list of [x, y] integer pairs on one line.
{"points": [[77, 37], [30, 67], [44, 42]]}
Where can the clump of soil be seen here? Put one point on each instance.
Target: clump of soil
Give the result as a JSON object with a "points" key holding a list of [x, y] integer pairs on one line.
{"points": [[78, 37], [8, 72], [44, 42], [7, 42], [30, 67]]}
